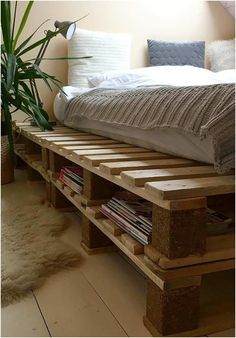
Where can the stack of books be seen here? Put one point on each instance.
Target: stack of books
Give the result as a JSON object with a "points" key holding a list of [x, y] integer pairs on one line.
{"points": [[134, 217], [73, 178]]}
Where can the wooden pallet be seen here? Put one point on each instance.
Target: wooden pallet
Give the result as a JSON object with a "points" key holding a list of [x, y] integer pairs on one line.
{"points": [[180, 252]]}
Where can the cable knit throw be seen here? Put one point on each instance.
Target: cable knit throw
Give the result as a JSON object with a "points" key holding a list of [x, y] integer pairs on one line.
{"points": [[205, 111]]}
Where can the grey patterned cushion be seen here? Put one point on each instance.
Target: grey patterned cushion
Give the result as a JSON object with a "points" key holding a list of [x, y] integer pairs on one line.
{"points": [[176, 53]]}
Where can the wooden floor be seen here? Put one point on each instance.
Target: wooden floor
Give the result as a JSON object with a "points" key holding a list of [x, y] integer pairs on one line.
{"points": [[104, 296]]}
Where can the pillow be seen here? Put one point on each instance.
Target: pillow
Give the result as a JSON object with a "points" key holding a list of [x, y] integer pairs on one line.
{"points": [[109, 52], [176, 53], [221, 54]]}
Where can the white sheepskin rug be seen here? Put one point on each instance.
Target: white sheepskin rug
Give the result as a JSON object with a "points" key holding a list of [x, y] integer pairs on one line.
{"points": [[31, 248]]}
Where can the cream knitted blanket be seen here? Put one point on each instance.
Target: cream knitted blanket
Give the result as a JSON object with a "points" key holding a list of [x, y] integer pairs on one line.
{"points": [[205, 111]]}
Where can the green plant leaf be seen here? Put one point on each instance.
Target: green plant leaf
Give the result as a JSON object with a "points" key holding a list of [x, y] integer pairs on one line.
{"points": [[11, 68], [6, 25], [23, 22], [18, 49], [36, 112], [46, 38], [14, 21], [43, 76], [26, 88], [38, 43], [18, 77], [64, 58]]}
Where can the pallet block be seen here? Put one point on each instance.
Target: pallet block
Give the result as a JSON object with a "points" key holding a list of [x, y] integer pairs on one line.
{"points": [[95, 212], [134, 246], [97, 188], [112, 227], [93, 240], [179, 233], [45, 157], [48, 191], [56, 162], [31, 147], [32, 174], [58, 200], [173, 309], [69, 191]]}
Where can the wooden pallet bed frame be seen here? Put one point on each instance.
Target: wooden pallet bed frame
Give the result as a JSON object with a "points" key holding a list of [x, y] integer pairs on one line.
{"points": [[180, 252]]}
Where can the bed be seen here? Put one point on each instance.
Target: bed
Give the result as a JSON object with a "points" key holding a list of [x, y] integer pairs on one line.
{"points": [[164, 138]]}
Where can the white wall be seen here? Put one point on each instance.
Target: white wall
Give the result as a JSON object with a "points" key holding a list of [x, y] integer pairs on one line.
{"points": [[143, 19]]}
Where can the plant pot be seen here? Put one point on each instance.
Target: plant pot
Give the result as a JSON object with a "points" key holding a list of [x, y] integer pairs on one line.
{"points": [[7, 165]]}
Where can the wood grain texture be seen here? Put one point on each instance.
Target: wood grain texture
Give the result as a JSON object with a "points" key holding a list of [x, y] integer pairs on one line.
{"points": [[112, 227], [173, 311], [72, 138], [92, 237], [140, 177], [162, 162], [134, 246], [97, 159], [70, 149], [191, 187], [115, 151], [218, 248], [72, 144], [179, 233], [96, 187]]}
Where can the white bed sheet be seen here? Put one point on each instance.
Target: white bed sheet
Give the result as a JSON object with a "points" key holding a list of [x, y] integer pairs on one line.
{"points": [[164, 140], [184, 145]]}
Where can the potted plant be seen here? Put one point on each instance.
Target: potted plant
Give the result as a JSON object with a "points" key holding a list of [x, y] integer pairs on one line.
{"points": [[18, 79]]}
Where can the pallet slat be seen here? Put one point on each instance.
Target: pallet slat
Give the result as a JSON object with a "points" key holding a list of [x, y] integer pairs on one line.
{"points": [[59, 134], [73, 138], [163, 162], [217, 248], [188, 188], [139, 177], [116, 151], [53, 132], [36, 130], [97, 159], [72, 145], [96, 146]]}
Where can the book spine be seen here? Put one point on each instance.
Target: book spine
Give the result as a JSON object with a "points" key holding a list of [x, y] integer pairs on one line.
{"points": [[132, 212], [122, 226], [72, 185], [133, 218], [125, 223]]}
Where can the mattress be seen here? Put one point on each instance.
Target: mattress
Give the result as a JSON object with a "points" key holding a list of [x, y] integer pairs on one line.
{"points": [[184, 145], [178, 142]]}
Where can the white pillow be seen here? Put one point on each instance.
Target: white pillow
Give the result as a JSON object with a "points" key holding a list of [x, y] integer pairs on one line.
{"points": [[109, 52], [222, 55]]}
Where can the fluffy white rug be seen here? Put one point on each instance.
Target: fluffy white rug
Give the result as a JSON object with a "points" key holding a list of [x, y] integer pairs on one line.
{"points": [[31, 248]]}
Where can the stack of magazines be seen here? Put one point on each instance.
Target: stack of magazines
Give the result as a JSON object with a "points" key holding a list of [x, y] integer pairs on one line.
{"points": [[73, 178], [218, 223], [134, 217]]}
